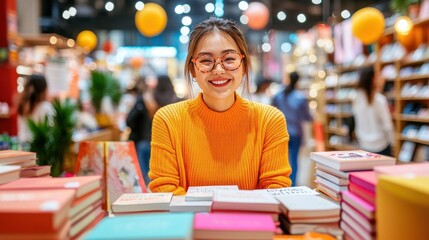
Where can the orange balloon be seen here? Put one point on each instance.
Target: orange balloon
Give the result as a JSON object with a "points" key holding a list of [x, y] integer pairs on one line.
{"points": [[87, 40], [152, 20], [368, 25], [136, 62], [258, 15]]}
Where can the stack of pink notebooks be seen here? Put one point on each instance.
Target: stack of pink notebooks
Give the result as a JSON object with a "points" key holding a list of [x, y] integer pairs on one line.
{"points": [[358, 206]]}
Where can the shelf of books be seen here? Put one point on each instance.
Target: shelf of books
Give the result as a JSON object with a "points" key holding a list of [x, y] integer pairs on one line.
{"points": [[411, 88]]}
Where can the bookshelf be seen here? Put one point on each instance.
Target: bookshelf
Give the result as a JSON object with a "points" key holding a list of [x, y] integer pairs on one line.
{"points": [[407, 90], [340, 85]]}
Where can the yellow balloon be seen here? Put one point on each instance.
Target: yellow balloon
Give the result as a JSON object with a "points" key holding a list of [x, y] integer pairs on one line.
{"points": [[368, 25], [152, 20], [87, 40]]}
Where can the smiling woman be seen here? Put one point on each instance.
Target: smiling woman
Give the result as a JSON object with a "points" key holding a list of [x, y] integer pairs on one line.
{"points": [[218, 138]]}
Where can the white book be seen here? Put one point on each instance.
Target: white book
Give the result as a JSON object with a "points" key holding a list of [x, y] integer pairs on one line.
{"points": [[179, 204], [338, 173], [140, 202], [205, 193], [328, 192], [351, 160], [299, 190], [332, 178], [308, 206], [9, 173], [331, 185], [245, 200]]}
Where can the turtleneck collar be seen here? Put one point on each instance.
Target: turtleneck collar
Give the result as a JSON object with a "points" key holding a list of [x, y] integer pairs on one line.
{"points": [[220, 120]]}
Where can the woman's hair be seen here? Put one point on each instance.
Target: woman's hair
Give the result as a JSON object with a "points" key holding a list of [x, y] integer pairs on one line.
{"points": [[34, 93], [212, 25], [164, 91], [140, 85], [366, 82], [293, 77]]}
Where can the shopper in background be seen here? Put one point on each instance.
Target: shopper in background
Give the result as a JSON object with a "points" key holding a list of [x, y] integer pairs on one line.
{"points": [[139, 120], [33, 105], [373, 122], [164, 93], [294, 106], [261, 94], [218, 138]]}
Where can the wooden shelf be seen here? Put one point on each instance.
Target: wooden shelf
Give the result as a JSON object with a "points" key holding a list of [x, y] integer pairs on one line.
{"points": [[414, 77], [338, 131], [413, 98], [409, 118], [341, 147], [414, 140], [340, 115], [416, 62], [339, 100]]}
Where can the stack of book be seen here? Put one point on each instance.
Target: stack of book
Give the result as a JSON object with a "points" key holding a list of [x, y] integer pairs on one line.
{"points": [[25, 160], [129, 203], [358, 206], [9, 173], [29, 214], [85, 209], [306, 213], [333, 168]]}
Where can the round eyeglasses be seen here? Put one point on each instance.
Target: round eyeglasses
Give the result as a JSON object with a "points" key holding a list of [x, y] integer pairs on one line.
{"points": [[229, 61]]}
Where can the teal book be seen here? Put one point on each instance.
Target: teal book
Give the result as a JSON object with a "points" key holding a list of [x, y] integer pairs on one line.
{"points": [[166, 226]]}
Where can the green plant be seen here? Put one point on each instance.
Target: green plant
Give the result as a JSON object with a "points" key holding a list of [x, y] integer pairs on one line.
{"points": [[104, 84], [52, 139], [401, 6]]}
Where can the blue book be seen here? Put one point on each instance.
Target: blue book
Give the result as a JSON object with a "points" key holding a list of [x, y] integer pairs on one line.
{"points": [[178, 226]]}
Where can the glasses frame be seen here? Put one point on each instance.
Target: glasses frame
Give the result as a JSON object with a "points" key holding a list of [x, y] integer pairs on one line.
{"points": [[216, 62]]}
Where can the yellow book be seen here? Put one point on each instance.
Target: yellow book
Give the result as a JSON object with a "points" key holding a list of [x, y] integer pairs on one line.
{"points": [[402, 207]]}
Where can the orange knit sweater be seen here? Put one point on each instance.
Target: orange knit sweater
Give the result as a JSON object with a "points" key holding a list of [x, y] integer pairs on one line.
{"points": [[192, 145]]}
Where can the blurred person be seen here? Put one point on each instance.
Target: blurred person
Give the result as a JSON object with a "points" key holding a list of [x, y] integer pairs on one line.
{"points": [[139, 120], [218, 138], [33, 105], [163, 92], [373, 122], [294, 106], [261, 94]]}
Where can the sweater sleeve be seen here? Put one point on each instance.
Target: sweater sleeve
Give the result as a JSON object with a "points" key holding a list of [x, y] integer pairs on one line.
{"points": [[386, 118], [274, 166], [164, 169]]}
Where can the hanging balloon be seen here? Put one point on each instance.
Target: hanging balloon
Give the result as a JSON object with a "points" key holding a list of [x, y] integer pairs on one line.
{"points": [[87, 40], [152, 20], [258, 15], [108, 46], [136, 62], [368, 25]]}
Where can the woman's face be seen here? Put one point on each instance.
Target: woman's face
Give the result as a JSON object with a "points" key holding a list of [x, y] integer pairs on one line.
{"points": [[217, 84]]}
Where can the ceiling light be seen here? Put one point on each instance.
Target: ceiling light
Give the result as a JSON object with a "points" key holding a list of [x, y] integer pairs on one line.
{"points": [[66, 14], [184, 39], [186, 20], [301, 18], [72, 11], [244, 19], [109, 6], [184, 30], [139, 5], [186, 8], [345, 14], [243, 5], [403, 25], [266, 47], [281, 15], [286, 47], [179, 9], [316, 1], [210, 7]]}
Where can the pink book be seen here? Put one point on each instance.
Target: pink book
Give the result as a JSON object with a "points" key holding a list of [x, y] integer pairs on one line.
{"points": [[413, 169], [233, 226], [365, 179], [356, 202], [363, 193]]}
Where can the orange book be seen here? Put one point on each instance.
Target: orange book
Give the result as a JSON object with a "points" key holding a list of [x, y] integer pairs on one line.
{"points": [[123, 174], [34, 211], [7, 156], [59, 235], [81, 185], [118, 165]]}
